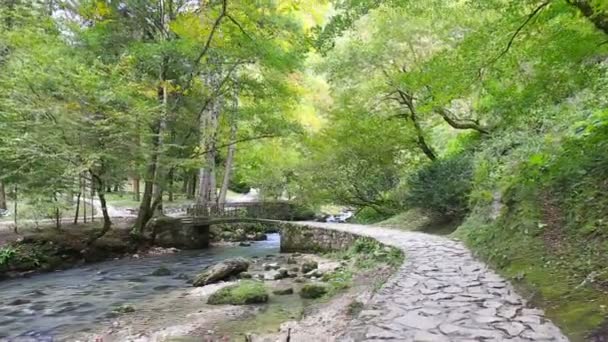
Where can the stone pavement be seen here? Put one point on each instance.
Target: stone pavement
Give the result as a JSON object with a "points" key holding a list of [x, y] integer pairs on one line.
{"points": [[442, 293]]}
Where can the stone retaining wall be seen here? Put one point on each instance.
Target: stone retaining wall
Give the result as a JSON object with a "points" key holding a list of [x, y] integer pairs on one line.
{"points": [[307, 239], [171, 232]]}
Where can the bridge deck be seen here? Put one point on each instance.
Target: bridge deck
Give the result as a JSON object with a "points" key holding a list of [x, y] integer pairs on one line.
{"points": [[263, 212]]}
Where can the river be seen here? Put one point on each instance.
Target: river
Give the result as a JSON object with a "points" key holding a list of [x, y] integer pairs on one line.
{"points": [[66, 302]]}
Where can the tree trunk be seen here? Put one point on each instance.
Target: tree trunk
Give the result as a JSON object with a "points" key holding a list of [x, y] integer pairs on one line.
{"points": [[192, 182], [57, 213], [593, 10], [152, 197], [231, 150], [97, 182], [170, 184], [83, 190], [15, 221], [92, 201], [77, 207], [136, 194], [2, 197], [208, 128], [408, 100]]}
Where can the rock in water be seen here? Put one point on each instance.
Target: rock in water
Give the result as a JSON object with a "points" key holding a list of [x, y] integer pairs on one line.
{"points": [[161, 272], [245, 292], [308, 266], [221, 271], [283, 291]]}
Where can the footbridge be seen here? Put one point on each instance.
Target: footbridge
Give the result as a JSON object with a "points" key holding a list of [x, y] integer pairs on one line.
{"points": [[235, 212]]}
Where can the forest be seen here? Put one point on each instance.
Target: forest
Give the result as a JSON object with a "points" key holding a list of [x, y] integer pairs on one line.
{"points": [[485, 120]]}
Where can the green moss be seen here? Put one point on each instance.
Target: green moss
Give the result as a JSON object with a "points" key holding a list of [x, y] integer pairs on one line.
{"points": [[313, 291], [245, 292], [267, 320]]}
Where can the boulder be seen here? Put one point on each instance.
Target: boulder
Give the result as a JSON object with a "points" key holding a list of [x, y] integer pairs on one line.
{"points": [[161, 272], [245, 292], [276, 274], [314, 274], [245, 244], [313, 291], [245, 275], [308, 266], [283, 291], [271, 266], [281, 274], [221, 271]]}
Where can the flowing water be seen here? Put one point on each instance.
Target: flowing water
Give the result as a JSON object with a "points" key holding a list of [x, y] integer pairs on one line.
{"points": [[65, 302]]}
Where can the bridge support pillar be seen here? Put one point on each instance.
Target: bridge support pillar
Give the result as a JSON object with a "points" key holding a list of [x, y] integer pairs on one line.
{"points": [[172, 232]]}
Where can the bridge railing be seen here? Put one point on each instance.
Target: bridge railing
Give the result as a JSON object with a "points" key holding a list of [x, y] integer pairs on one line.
{"points": [[265, 210]]}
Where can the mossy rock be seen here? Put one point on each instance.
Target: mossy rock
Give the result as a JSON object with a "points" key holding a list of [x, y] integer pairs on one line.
{"points": [[243, 293], [123, 309], [313, 291], [308, 266]]}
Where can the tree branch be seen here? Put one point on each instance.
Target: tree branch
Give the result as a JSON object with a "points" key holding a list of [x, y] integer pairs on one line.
{"points": [[460, 124], [234, 142], [514, 35]]}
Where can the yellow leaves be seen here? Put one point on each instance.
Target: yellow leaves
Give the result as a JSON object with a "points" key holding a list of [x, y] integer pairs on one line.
{"points": [[310, 12], [100, 10], [191, 26], [73, 106]]}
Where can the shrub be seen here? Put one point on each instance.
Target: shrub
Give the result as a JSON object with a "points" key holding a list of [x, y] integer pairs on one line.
{"points": [[245, 292], [442, 186]]}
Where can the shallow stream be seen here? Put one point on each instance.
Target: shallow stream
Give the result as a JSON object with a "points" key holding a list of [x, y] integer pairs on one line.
{"points": [[76, 300]]}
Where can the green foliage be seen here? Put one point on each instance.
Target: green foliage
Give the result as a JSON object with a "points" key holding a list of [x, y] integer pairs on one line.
{"points": [[442, 186], [6, 255], [243, 293], [368, 253]]}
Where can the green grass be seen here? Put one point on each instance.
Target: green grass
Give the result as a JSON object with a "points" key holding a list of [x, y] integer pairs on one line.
{"points": [[267, 320], [420, 220], [549, 272]]}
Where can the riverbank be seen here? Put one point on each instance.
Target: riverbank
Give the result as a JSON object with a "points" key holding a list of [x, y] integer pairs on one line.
{"points": [[346, 280], [45, 249]]}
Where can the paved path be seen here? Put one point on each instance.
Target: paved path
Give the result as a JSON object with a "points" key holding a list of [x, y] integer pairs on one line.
{"points": [[442, 293]]}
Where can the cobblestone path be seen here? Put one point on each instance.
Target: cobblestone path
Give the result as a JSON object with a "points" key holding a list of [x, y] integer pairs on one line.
{"points": [[442, 293]]}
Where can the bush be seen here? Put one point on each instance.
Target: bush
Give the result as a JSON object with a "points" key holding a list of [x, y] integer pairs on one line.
{"points": [[245, 292], [442, 186]]}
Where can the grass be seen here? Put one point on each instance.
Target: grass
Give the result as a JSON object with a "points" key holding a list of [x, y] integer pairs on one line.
{"points": [[245, 292], [420, 220], [267, 319], [547, 280]]}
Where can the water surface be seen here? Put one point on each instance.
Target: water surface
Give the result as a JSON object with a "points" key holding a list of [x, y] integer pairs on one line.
{"points": [[75, 300]]}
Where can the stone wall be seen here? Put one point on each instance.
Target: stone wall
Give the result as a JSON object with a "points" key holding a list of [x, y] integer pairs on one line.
{"points": [[306, 239], [171, 232]]}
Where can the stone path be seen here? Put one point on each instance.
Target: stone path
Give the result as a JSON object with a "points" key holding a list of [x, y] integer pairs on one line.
{"points": [[442, 293]]}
